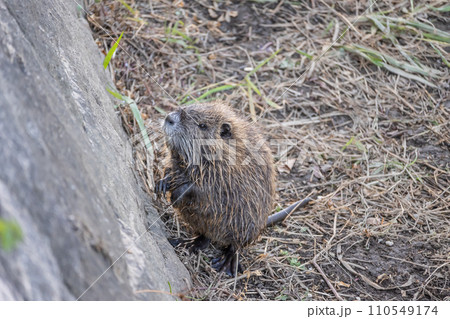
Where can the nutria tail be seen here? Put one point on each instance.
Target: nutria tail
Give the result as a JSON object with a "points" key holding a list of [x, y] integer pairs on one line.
{"points": [[280, 216]]}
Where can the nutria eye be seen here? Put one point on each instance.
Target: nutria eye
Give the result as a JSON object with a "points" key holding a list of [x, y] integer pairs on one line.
{"points": [[225, 130], [202, 126]]}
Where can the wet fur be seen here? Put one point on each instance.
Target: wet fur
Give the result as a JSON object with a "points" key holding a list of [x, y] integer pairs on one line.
{"points": [[227, 200]]}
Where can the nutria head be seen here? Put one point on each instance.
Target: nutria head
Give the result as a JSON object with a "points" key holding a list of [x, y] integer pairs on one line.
{"points": [[203, 133]]}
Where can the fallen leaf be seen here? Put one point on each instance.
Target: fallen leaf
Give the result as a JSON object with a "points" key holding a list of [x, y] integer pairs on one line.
{"points": [[341, 283], [381, 278], [286, 166], [317, 173], [212, 13], [373, 221]]}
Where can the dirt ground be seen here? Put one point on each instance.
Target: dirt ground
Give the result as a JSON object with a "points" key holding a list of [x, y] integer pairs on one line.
{"points": [[367, 114]]}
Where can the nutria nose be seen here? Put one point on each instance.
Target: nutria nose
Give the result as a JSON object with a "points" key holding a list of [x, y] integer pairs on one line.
{"points": [[173, 118]]}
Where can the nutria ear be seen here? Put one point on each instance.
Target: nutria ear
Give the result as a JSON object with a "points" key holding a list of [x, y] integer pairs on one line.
{"points": [[225, 130], [182, 113]]}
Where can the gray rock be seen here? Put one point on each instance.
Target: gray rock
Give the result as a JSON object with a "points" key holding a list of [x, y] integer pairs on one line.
{"points": [[66, 169]]}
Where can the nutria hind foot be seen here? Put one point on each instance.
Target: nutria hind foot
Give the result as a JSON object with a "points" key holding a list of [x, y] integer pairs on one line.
{"points": [[194, 245], [228, 262]]}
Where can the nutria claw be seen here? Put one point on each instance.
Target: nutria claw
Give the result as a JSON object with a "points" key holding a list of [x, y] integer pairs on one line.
{"points": [[227, 262], [163, 185], [194, 245]]}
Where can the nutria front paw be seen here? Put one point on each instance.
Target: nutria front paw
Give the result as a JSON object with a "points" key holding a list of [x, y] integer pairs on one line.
{"points": [[163, 185], [194, 245]]}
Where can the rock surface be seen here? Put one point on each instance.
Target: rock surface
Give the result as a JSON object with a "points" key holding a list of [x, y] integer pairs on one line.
{"points": [[66, 169]]}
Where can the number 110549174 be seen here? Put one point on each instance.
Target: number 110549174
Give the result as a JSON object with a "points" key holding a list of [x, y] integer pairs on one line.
{"points": [[417, 310]]}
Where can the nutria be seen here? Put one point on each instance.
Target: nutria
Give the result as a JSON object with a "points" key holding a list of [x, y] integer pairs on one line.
{"points": [[221, 179]]}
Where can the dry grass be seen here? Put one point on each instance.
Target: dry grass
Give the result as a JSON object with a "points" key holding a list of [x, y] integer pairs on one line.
{"points": [[369, 117]]}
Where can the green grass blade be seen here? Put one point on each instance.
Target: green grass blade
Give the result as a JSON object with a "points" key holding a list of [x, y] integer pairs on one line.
{"points": [[114, 93], [405, 25], [408, 75], [422, 26], [272, 103], [215, 90], [377, 23], [139, 20], [394, 65], [251, 104], [252, 86], [263, 63], [129, 8], [111, 52], [441, 55], [329, 26], [350, 142], [175, 31], [390, 36], [137, 116], [181, 34], [177, 41], [441, 9], [378, 58], [309, 56], [437, 37], [375, 59], [160, 110], [360, 146]]}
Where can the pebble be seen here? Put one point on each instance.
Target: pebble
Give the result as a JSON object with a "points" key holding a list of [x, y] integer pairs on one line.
{"points": [[389, 243]]}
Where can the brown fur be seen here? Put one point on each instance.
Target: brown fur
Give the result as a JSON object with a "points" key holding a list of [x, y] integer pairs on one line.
{"points": [[229, 199]]}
